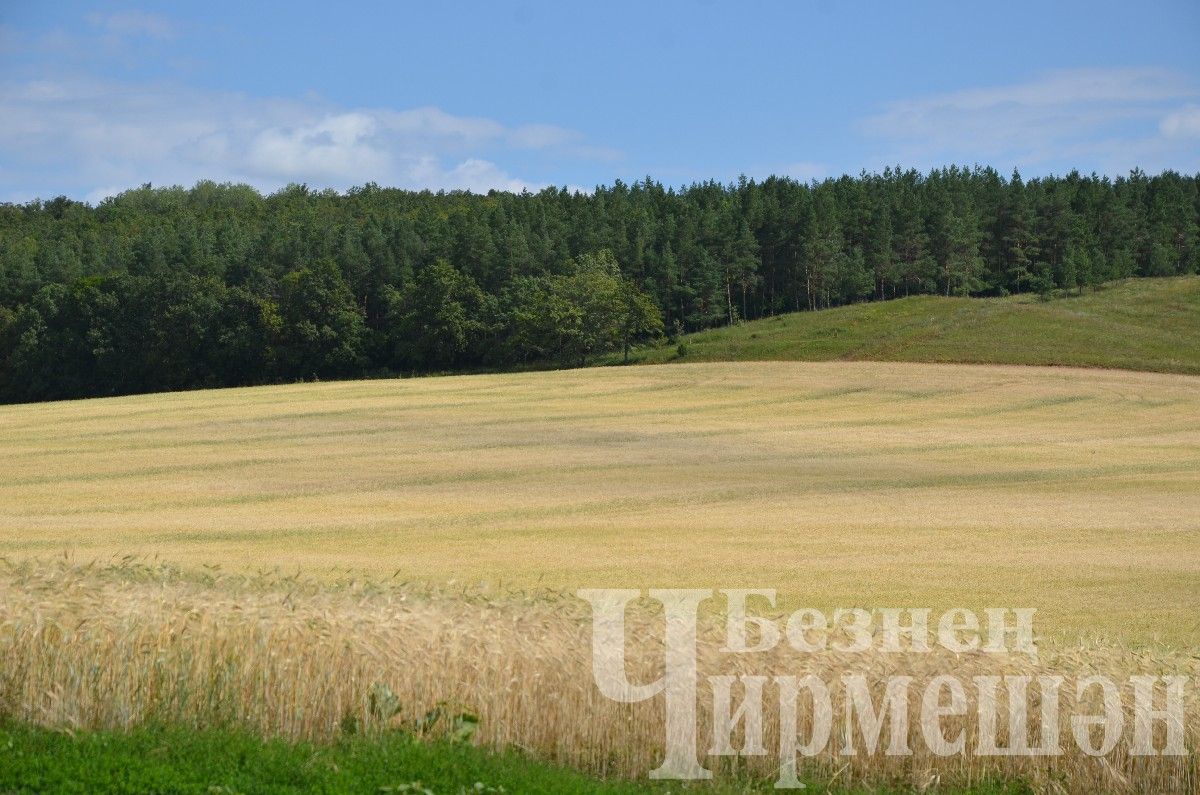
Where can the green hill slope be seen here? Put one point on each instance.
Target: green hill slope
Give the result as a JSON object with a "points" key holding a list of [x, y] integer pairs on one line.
{"points": [[1137, 324]]}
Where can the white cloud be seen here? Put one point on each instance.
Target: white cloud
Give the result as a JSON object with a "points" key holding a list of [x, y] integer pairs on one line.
{"points": [[540, 136], [335, 147], [1055, 89], [1183, 123], [549, 137], [106, 136], [478, 175], [436, 123], [96, 195], [1111, 114]]}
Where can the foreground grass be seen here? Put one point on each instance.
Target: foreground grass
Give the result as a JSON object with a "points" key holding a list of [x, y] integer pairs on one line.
{"points": [[1136, 324], [179, 761], [173, 761]]}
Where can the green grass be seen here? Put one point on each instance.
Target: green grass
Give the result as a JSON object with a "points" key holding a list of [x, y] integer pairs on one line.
{"points": [[168, 761], [1136, 324], [210, 762]]}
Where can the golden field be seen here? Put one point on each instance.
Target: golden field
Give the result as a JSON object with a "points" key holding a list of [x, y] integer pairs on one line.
{"points": [[307, 560], [855, 484]]}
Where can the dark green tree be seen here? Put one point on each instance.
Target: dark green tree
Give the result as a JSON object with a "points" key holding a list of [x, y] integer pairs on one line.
{"points": [[323, 329], [441, 320]]}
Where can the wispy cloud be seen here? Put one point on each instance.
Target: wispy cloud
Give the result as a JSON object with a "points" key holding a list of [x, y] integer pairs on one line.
{"points": [[1183, 123], [114, 135], [559, 139], [134, 23], [1122, 117], [66, 130]]}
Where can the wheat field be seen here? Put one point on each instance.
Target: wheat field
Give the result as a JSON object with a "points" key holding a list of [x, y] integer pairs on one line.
{"points": [[113, 647], [839, 484], [307, 560]]}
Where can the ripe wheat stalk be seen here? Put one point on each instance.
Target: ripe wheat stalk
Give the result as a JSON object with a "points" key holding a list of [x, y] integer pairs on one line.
{"points": [[85, 647]]}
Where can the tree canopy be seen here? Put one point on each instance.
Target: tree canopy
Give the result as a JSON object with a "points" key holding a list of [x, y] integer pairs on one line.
{"points": [[171, 288]]}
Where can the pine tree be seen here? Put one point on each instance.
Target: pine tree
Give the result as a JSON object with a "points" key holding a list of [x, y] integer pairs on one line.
{"points": [[961, 265], [1016, 234]]}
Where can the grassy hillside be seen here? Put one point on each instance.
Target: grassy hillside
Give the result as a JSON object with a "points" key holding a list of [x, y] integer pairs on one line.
{"points": [[1137, 324]]}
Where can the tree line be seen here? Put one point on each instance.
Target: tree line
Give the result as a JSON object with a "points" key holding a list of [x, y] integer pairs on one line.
{"points": [[217, 285]]}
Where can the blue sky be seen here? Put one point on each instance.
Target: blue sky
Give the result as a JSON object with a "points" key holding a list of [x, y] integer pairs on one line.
{"points": [[98, 97]]}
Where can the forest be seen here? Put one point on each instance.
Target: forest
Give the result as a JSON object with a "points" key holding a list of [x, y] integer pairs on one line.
{"points": [[217, 285]]}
